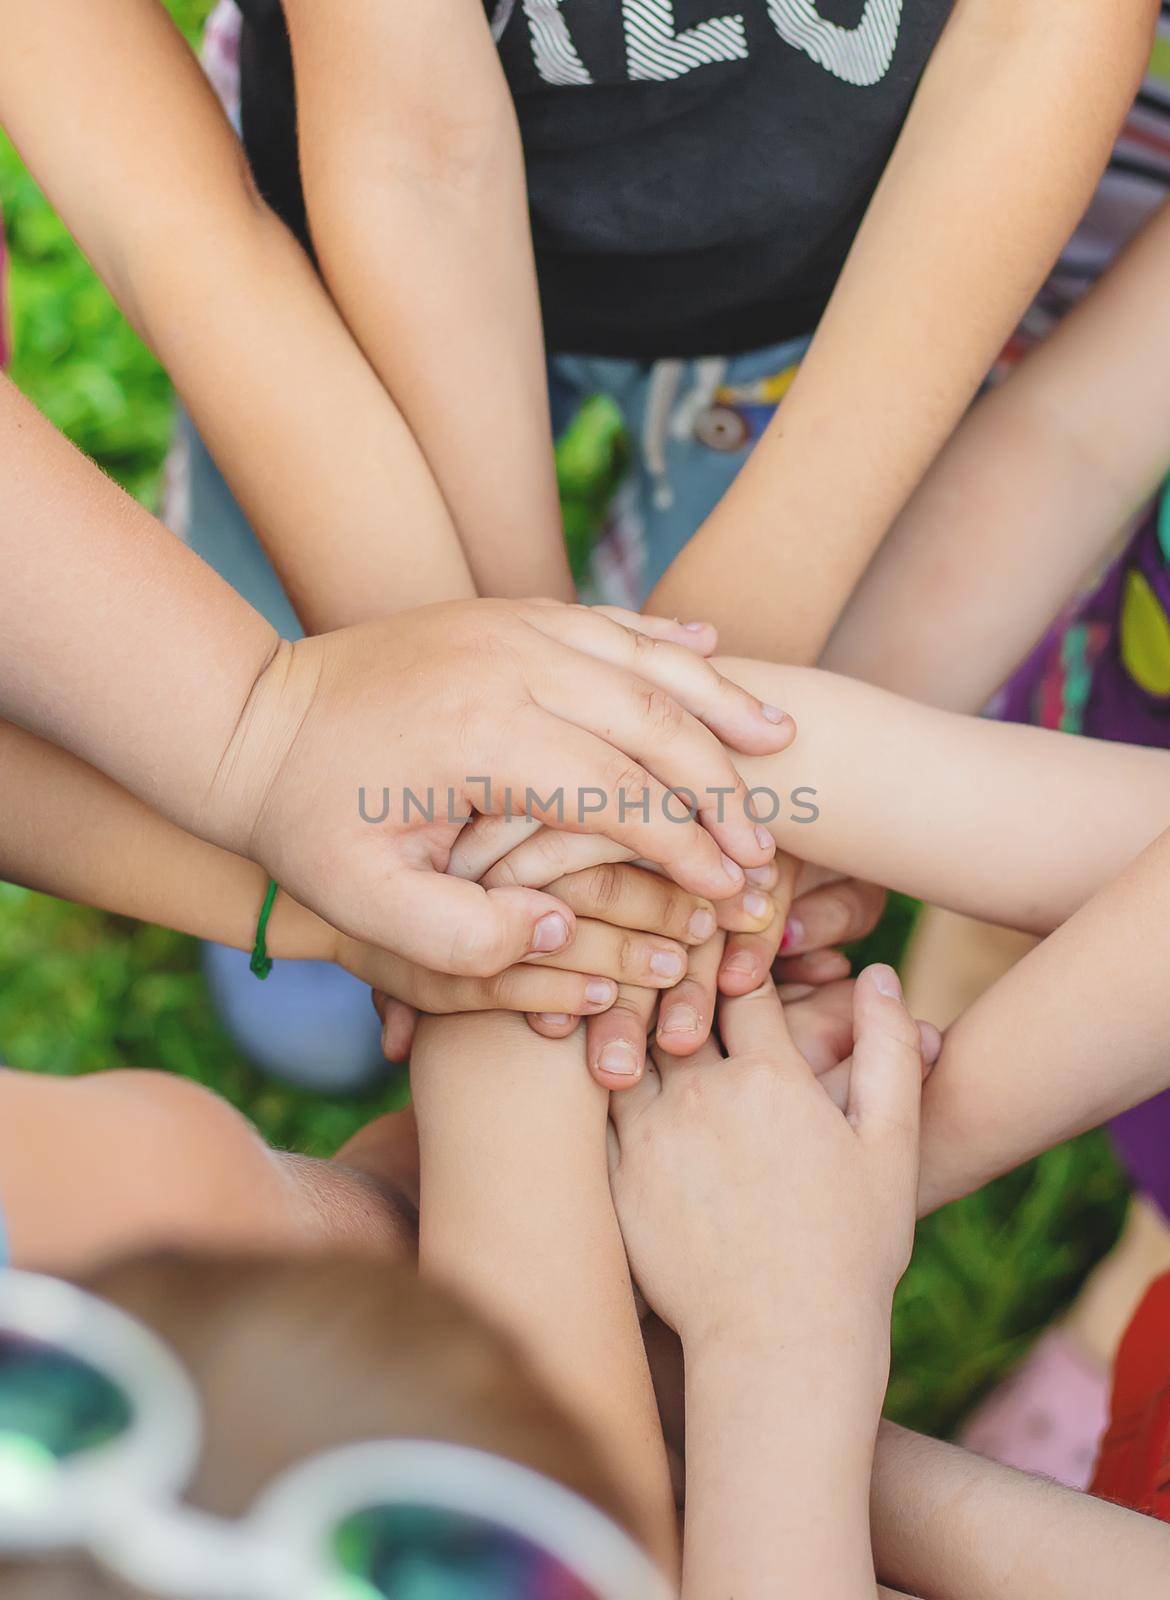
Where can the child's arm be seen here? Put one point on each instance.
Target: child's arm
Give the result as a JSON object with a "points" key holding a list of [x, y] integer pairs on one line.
{"points": [[116, 120], [1073, 1035], [517, 1214], [408, 133], [1013, 824], [72, 832], [1025, 500], [770, 1231], [1008, 134], [947, 1523], [120, 1163]]}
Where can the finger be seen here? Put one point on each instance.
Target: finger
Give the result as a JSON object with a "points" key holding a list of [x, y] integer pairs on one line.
{"points": [[735, 716], [632, 897], [836, 914], [484, 842], [931, 1041], [616, 1041], [622, 954], [624, 1108], [754, 1023], [821, 1026], [747, 960], [885, 1085], [398, 1024], [597, 789], [553, 1024], [702, 638], [666, 1065], [819, 966], [650, 724], [835, 1082], [548, 854], [451, 926], [749, 912], [686, 1012], [541, 991]]}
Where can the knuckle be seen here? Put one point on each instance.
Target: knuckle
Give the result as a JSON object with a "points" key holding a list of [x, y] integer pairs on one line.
{"points": [[474, 951], [604, 886], [662, 712], [630, 955], [624, 777]]}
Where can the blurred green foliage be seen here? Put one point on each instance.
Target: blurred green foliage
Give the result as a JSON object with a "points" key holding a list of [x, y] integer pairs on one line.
{"points": [[80, 991]]}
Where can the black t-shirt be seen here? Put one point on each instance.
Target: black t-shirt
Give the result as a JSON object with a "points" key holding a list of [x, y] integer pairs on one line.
{"points": [[697, 169]]}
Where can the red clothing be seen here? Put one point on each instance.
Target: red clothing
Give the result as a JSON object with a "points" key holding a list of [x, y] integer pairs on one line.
{"points": [[1133, 1467]]}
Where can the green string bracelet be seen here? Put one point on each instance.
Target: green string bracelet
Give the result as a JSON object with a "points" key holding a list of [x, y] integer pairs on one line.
{"points": [[261, 962]]}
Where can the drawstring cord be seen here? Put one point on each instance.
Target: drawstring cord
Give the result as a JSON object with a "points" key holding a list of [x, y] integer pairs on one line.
{"points": [[668, 416]]}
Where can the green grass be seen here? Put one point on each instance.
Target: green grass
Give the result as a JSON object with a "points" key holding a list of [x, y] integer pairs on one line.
{"points": [[81, 991]]}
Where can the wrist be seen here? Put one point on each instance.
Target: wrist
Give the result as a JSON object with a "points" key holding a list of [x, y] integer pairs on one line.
{"points": [[264, 731], [850, 1339], [297, 934]]}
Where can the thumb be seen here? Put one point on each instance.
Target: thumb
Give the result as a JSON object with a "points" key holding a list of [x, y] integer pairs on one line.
{"points": [[457, 927], [885, 1083]]}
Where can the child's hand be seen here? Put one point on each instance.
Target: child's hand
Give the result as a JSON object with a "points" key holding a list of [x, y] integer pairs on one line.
{"points": [[482, 704], [612, 905], [747, 1199]]}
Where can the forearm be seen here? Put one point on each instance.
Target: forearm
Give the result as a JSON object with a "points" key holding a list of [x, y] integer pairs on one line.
{"points": [[311, 444], [1006, 139], [954, 1526], [71, 831], [1012, 824], [779, 1453], [408, 134], [517, 1214], [1025, 500], [1071, 1036], [118, 642]]}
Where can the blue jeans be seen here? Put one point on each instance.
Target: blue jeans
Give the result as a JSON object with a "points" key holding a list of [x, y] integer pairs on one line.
{"points": [[693, 424]]}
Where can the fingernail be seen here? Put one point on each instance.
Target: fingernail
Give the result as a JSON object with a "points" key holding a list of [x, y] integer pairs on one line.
{"points": [[772, 713], [600, 991], [668, 964], [696, 627], [554, 1019], [763, 838], [793, 933], [765, 877], [702, 925], [885, 980], [742, 963], [619, 1060], [551, 933], [733, 869], [758, 905], [680, 1019]]}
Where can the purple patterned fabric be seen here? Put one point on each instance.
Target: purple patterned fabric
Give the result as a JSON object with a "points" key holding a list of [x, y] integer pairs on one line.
{"points": [[1104, 670]]}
